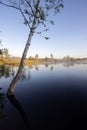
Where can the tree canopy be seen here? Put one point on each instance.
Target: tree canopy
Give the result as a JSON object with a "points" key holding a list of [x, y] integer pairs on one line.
{"points": [[29, 8]]}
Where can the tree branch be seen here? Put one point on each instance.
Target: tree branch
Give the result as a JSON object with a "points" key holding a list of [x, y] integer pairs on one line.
{"points": [[30, 6], [18, 8], [12, 6], [25, 18]]}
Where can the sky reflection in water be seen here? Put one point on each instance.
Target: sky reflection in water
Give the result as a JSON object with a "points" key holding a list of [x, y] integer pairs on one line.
{"points": [[46, 97]]}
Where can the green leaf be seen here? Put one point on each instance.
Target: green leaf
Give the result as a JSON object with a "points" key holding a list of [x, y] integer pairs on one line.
{"points": [[25, 22], [26, 12], [46, 38], [61, 5], [52, 22]]}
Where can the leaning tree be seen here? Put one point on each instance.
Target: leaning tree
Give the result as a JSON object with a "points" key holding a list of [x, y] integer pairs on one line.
{"points": [[36, 14], [1, 52]]}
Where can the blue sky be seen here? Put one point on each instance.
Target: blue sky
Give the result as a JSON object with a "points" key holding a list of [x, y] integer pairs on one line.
{"points": [[67, 37]]}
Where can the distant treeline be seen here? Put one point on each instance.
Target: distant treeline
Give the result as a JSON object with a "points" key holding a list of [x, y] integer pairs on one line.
{"points": [[6, 58], [34, 61], [28, 61]]}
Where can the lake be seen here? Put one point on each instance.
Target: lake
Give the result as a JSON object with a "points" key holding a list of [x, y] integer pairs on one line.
{"points": [[46, 97]]}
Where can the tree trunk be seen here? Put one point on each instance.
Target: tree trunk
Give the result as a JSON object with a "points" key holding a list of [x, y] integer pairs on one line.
{"points": [[18, 75]]}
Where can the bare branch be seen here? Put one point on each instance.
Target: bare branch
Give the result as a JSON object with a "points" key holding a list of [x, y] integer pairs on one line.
{"points": [[18, 8], [12, 6], [25, 18], [34, 2], [30, 6]]}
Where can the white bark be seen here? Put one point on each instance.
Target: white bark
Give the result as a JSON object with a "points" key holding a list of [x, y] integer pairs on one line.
{"points": [[18, 75]]}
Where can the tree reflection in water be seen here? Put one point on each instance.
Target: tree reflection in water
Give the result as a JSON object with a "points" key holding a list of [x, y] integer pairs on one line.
{"points": [[6, 71], [20, 109], [1, 104], [51, 68], [37, 67], [10, 71], [26, 75], [68, 64]]}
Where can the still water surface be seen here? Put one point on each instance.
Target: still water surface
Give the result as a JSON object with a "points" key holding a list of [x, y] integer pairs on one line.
{"points": [[46, 97]]}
